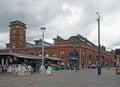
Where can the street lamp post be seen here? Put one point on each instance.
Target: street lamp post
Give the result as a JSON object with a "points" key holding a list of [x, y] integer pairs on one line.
{"points": [[99, 64], [42, 31]]}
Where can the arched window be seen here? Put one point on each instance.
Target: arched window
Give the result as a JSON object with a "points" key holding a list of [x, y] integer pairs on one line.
{"points": [[73, 59], [74, 55]]}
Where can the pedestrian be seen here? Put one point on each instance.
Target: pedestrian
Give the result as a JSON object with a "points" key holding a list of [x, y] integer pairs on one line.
{"points": [[10, 69], [49, 71], [6, 68], [42, 68], [0, 68], [108, 67], [75, 69]]}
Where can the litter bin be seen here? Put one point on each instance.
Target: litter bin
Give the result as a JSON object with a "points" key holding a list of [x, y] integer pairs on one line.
{"points": [[99, 69]]}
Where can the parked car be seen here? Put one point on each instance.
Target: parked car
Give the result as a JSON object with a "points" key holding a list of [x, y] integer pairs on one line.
{"points": [[92, 66]]}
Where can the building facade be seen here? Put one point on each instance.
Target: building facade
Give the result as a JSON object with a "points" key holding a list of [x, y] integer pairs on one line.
{"points": [[117, 57], [76, 51]]}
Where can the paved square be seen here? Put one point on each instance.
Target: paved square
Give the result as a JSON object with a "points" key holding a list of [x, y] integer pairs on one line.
{"points": [[67, 78]]}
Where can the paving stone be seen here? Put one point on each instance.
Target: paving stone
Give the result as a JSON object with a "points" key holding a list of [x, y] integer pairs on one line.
{"points": [[66, 78]]}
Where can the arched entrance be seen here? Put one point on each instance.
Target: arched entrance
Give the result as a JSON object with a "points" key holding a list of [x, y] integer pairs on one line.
{"points": [[73, 59], [89, 60]]}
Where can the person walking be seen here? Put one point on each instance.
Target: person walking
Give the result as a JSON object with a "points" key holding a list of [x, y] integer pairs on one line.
{"points": [[49, 71]]}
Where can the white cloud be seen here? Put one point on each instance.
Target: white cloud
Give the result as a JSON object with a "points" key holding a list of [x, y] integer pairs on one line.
{"points": [[4, 38], [64, 18]]}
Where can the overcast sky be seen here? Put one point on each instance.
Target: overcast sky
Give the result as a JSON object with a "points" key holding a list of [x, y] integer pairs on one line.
{"points": [[64, 18]]}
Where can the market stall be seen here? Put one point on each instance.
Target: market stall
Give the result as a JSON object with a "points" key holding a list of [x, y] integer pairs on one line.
{"points": [[13, 60]]}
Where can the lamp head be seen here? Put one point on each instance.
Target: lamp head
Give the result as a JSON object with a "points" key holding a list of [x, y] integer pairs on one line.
{"points": [[98, 14], [43, 29]]}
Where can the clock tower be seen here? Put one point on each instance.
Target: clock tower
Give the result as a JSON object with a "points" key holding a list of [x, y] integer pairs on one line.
{"points": [[17, 34]]}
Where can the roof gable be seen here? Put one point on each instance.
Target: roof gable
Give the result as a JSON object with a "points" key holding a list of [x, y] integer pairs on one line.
{"points": [[74, 40]]}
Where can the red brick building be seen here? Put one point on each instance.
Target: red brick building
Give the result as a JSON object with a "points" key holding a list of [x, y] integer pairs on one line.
{"points": [[75, 51]]}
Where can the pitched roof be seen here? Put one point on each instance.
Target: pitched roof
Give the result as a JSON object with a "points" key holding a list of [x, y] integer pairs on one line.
{"points": [[58, 39], [80, 37], [85, 40]]}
